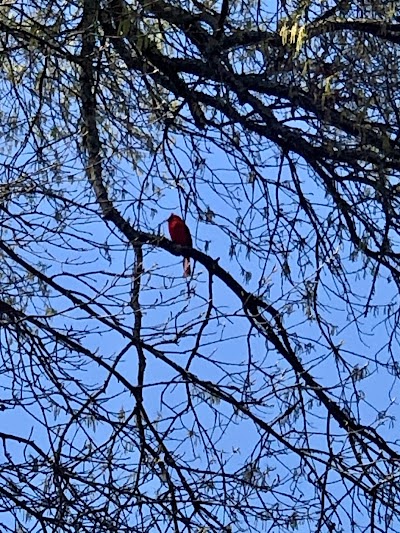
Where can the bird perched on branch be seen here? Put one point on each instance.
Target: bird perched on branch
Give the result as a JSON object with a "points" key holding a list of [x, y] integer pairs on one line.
{"points": [[180, 234]]}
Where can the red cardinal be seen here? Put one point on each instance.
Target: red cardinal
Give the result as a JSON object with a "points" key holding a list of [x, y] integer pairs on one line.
{"points": [[180, 234]]}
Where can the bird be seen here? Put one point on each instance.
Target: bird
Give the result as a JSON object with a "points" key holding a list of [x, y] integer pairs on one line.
{"points": [[180, 234]]}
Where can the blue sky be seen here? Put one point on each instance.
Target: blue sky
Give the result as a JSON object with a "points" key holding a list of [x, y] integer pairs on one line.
{"points": [[224, 355], [86, 256]]}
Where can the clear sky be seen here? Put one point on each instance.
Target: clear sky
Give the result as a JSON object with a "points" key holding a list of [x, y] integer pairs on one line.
{"points": [[224, 356], [254, 228]]}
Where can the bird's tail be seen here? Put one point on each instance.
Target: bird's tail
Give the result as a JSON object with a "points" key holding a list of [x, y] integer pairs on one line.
{"points": [[186, 267]]}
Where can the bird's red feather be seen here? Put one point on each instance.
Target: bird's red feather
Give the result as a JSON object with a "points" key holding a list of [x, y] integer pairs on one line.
{"points": [[180, 234]]}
